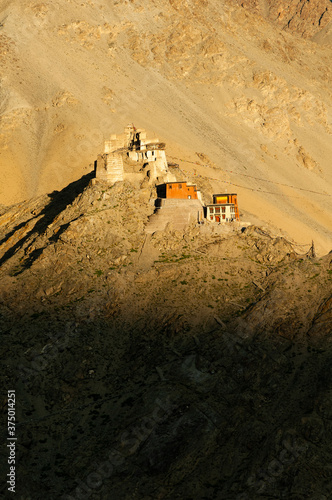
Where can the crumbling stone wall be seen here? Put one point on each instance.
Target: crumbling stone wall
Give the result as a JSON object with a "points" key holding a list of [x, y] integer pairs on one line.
{"points": [[110, 166]]}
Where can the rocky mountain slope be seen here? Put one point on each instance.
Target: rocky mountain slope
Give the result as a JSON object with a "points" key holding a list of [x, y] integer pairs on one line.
{"points": [[192, 364], [239, 85], [302, 17]]}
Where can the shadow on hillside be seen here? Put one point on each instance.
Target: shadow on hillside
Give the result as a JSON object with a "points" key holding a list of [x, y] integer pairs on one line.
{"points": [[59, 201], [224, 394]]}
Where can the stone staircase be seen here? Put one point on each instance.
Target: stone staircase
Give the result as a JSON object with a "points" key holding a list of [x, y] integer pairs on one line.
{"points": [[179, 213]]}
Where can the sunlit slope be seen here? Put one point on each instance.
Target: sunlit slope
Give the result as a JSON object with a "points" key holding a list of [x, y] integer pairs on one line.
{"points": [[218, 80]]}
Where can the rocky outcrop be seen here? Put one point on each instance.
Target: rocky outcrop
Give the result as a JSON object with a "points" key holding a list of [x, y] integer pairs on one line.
{"points": [[187, 363], [303, 17]]}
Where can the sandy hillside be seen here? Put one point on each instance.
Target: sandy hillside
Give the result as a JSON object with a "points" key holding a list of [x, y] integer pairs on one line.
{"points": [[245, 86], [192, 364]]}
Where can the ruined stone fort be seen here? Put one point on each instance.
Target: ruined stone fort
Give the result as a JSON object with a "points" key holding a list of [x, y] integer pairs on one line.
{"points": [[132, 147], [131, 156]]}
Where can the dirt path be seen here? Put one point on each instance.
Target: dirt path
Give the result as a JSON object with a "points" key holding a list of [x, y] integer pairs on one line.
{"points": [[149, 253]]}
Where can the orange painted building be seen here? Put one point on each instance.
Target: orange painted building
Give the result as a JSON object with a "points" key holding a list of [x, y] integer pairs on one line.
{"points": [[181, 190], [227, 199]]}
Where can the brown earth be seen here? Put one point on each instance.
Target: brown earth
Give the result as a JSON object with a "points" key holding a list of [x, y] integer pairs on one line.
{"points": [[184, 364], [189, 364], [303, 17], [236, 84]]}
